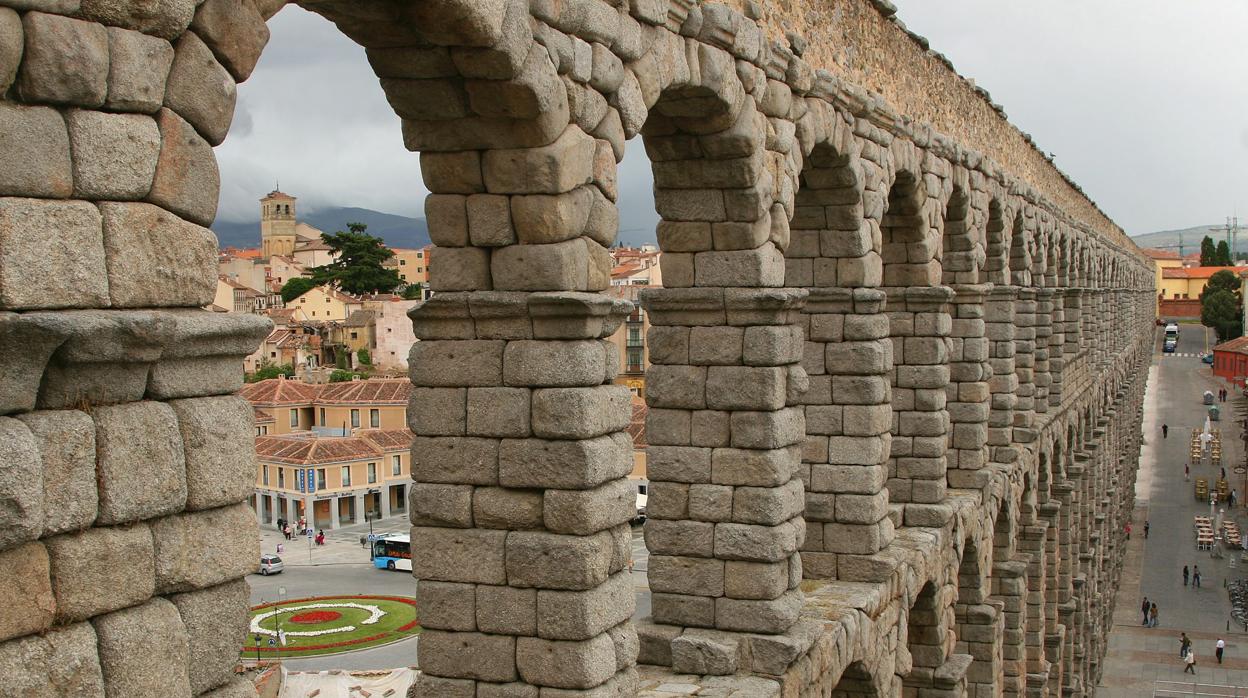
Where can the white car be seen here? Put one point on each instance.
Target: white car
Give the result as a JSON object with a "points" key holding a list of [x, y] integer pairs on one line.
{"points": [[270, 564]]}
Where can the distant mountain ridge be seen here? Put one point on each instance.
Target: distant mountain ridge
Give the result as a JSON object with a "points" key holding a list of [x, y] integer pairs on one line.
{"points": [[1191, 237], [397, 231]]}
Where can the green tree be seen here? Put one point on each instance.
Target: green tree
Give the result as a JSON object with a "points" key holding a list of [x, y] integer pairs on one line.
{"points": [[1208, 253], [357, 267], [341, 376], [413, 292], [1224, 254], [296, 287], [342, 359], [1225, 280], [1220, 310], [269, 370], [363, 356]]}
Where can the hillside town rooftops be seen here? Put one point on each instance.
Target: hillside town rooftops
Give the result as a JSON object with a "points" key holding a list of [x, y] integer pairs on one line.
{"points": [[275, 392], [1197, 272], [373, 392]]}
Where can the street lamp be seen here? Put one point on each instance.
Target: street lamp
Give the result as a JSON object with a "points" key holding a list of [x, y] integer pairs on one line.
{"points": [[281, 596], [257, 649]]}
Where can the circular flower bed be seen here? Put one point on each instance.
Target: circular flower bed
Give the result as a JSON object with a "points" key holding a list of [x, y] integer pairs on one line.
{"points": [[314, 617], [329, 625]]}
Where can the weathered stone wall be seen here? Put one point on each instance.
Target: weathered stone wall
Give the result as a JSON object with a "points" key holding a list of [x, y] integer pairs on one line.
{"points": [[127, 461], [897, 359]]}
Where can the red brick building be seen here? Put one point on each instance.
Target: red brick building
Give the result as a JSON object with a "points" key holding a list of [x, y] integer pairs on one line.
{"points": [[1230, 360]]}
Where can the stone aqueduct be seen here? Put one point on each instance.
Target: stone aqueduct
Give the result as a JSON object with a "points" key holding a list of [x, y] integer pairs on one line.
{"points": [[894, 406]]}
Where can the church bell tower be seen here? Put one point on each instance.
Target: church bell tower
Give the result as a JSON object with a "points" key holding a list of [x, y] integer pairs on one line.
{"points": [[277, 224]]}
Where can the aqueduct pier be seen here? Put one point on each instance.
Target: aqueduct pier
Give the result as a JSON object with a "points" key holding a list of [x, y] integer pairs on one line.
{"points": [[897, 361]]}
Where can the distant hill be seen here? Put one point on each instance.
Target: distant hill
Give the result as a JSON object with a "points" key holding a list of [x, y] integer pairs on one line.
{"points": [[397, 231], [1191, 238]]}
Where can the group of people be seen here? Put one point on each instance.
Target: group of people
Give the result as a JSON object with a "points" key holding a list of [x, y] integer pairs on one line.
{"points": [[301, 528], [1222, 394], [1188, 655], [1195, 576], [1149, 609]]}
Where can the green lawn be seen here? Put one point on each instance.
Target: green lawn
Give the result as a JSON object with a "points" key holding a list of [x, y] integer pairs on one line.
{"points": [[396, 621]]}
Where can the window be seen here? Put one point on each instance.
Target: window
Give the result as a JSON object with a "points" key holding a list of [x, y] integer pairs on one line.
{"points": [[323, 417], [264, 475], [372, 473], [320, 478], [294, 418], [281, 478], [355, 335], [396, 466], [402, 262], [634, 360], [355, 419], [264, 430], [346, 476], [273, 355], [374, 418]]}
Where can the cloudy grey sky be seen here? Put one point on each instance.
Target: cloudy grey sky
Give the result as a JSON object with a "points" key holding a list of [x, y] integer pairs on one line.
{"points": [[1144, 103]]}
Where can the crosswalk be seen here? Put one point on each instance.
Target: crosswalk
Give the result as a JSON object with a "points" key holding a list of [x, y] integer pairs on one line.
{"points": [[1181, 354]]}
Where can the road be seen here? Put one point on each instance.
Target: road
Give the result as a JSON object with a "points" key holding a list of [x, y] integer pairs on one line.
{"points": [[342, 566], [1139, 656]]}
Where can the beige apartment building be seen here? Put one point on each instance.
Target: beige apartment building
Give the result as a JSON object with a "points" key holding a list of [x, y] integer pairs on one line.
{"points": [[335, 449], [332, 481], [324, 303]]}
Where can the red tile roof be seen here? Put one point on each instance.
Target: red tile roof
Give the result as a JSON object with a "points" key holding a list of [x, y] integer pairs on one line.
{"points": [[279, 391], [304, 450], [1236, 346], [394, 391], [637, 425], [263, 417], [1198, 272], [1155, 253]]}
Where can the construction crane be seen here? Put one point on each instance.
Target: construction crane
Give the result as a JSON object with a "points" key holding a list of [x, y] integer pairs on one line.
{"points": [[1231, 229], [1180, 246]]}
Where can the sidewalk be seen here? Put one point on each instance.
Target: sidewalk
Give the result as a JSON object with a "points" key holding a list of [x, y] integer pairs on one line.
{"points": [[1139, 656], [342, 545]]}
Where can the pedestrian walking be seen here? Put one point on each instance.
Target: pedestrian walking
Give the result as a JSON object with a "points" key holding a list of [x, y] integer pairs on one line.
{"points": [[1184, 575], [1196, 576], [1145, 529], [1223, 472], [1189, 660], [1221, 647], [1152, 615], [1165, 430], [1128, 530], [1187, 470], [1184, 643], [1144, 609]]}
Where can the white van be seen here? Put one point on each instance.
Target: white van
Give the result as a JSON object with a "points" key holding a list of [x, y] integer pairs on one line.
{"points": [[1172, 332]]}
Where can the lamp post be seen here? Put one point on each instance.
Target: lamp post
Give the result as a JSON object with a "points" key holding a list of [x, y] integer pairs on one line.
{"points": [[281, 598], [257, 649]]}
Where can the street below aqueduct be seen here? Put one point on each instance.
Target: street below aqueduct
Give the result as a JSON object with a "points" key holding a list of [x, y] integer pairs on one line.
{"points": [[1138, 657]]}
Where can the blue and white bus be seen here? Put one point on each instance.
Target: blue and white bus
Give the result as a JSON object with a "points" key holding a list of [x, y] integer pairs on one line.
{"points": [[393, 553]]}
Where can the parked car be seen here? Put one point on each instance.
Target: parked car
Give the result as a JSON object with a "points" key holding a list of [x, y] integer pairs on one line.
{"points": [[270, 564], [1169, 347], [1207, 358]]}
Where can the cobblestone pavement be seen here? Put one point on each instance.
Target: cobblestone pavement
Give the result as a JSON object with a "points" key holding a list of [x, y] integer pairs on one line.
{"points": [[1138, 656]]}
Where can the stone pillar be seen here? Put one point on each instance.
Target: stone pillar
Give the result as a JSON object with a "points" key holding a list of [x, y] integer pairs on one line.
{"points": [[128, 462], [292, 512], [724, 515], [1024, 366], [968, 396], [520, 502], [1003, 383], [847, 427], [1043, 328], [360, 512], [919, 327], [383, 498], [1057, 348], [334, 513], [309, 511], [1009, 585]]}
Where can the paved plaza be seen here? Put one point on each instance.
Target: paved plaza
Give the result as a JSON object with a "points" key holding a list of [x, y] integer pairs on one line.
{"points": [[1138, 656]]}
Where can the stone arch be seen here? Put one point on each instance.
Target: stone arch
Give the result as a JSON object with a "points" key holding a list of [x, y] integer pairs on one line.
{"points": [[997, 244], [860, 681], [978, 618], [929, 636], [959, 259]]}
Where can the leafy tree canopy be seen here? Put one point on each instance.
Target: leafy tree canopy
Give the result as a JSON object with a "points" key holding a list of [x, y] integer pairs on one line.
{"points": [[1224, 280], [364, 357], [1220, 310], [296, 287], [412, 292], [341, 376], [269, 370], [357, 268]]}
